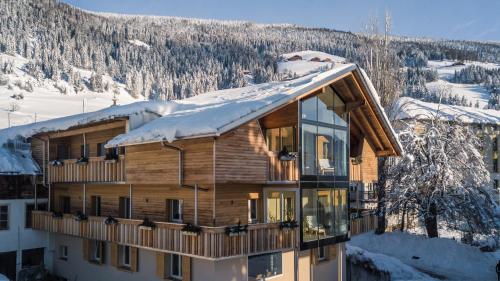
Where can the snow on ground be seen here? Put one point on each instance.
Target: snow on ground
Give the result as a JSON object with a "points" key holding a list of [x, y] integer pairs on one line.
{"points": [[442, 257], [394, 267], [46, 101], [301, 63], [473, 93], [446, 68], [409, 108]]}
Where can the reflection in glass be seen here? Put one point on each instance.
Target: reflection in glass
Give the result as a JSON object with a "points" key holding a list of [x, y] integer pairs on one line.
{"points": [[341, 211], [273, 139], [325, 106], [325, 213], [309, 149], [288, 138], [325, 151], [309, 109], [340, 152], [340, 112], [280, 205], [310, 226], [274, 207]]}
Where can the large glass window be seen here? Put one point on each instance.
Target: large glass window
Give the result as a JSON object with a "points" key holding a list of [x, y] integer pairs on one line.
{"points": [[324, 135], [279, 138], [264, 266], [280, 205]]}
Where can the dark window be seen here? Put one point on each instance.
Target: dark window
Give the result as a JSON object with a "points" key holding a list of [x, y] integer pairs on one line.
{"points": [[322, 253], [4, 217], [175, 210], [101, 151], [264, 266], [124, 208], [29, 210], [84, 150], [252, 210], [124, 256], [96, 251], [62, 151], [63, 252], [65, 204], [95, 206], [176, 266], [32, 257], [8, 264]]}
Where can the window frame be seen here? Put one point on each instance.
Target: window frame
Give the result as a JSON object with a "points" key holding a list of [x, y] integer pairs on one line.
{"points": [[179, 260], [322, 253], [125, 251], [63, 252], [95, 204], [179, 207], [96, 254], [252, 219], [262, 255], [7, 220]]}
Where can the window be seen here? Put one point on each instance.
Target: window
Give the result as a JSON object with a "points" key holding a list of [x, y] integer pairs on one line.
{"points": [[252, 210], [279, 138], [124, 207], [280, 206], [32, 257], [29, 210], [176, 266], [95, 206], [264, 266], [62, 151], [124, 253], [324, 139], [63, 252], [322, 253], [101, 151], [4, 217], [65, 204], [175, 210], [84, 150], [96, 251]]}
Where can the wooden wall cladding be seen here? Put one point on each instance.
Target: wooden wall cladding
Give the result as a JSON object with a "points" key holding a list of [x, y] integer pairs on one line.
{"points": [[155, 164], [241, 155], [231, 203]]}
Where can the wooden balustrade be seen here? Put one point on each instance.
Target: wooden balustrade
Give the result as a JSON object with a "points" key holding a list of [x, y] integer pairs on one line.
{"points": [[211, 243], [282, 170], [363, 224], [96, 170]]}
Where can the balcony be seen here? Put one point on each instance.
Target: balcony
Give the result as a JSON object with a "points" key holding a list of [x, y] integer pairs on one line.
{"points": [[211, 243], [97, 169], [282, 171]]}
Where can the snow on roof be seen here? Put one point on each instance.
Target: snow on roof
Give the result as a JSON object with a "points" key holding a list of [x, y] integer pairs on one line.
{"points": [[214, 113], [16, 162], [64, 123], [309, 55], [409, 108]]}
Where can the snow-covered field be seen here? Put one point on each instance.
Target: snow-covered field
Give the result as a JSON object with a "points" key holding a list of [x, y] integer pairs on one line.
{"points": [[46, 101], [475, 94], [440, 258]]}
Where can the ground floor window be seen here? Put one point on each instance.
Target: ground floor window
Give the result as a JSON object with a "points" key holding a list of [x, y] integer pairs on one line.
{"points": [[63, 252], [124, 256], [175, 265], [252, 210], [96, 251], [322, 253], [4, 217], [280, 206], [264, 266], [32, 257]]}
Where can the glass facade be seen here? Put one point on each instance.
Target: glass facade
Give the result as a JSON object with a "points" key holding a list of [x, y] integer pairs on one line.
{"points": [[324, 151]]}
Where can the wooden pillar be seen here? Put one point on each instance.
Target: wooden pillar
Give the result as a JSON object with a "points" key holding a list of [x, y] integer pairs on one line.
{"points": [[84, 199], [195, 204], [130, 200]]}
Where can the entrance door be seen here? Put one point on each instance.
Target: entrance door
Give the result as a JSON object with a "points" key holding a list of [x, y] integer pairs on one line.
{"points": [[280, 204]]}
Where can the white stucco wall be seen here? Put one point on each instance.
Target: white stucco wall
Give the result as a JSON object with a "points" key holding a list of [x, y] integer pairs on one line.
{"points": [[17, 237]]}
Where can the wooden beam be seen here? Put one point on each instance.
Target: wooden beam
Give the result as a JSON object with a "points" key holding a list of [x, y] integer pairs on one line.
{"points": [[350, 106], [384, 153], [89, 128]]}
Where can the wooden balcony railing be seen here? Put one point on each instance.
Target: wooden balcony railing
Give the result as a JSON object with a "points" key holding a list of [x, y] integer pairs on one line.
{"points": [[282, 170], [96, 170], [363, 224], [211, 243]]}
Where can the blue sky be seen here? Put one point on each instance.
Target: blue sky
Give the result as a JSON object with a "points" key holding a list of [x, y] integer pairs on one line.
{"points": [[455, 19]]}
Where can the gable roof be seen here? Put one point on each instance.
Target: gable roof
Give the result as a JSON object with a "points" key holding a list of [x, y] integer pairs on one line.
{"points": [[212, 114]]}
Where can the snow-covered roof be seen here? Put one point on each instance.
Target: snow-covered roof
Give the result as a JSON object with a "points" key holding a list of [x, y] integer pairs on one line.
{"points": [[215, 113], [15, 162], [306, 62], [409, 108]]}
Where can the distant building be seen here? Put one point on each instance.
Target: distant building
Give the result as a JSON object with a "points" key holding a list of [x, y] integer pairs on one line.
{"points": [[21, 247]]}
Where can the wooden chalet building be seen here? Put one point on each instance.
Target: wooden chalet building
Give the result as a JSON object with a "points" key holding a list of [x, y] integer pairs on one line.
{"points": [[240, 184]]}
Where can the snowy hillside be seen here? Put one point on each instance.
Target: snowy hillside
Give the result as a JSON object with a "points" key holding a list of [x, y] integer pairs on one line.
{"points": [[24, 99], [470, 94]]}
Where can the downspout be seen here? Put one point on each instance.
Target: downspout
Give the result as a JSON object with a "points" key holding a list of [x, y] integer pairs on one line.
{"points": [[181, 160]]}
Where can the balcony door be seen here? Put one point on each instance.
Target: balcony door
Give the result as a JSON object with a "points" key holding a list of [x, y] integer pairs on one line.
{"points": [[280, 204]]}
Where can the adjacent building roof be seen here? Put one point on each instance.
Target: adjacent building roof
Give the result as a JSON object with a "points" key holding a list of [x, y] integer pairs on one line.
{"points": [[409, 108]]}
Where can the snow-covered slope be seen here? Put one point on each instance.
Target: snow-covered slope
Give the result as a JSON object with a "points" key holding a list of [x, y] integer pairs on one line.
{"points": [[46, 101], [301, 63], [440, 256], [476, 95], [409, 108]]}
